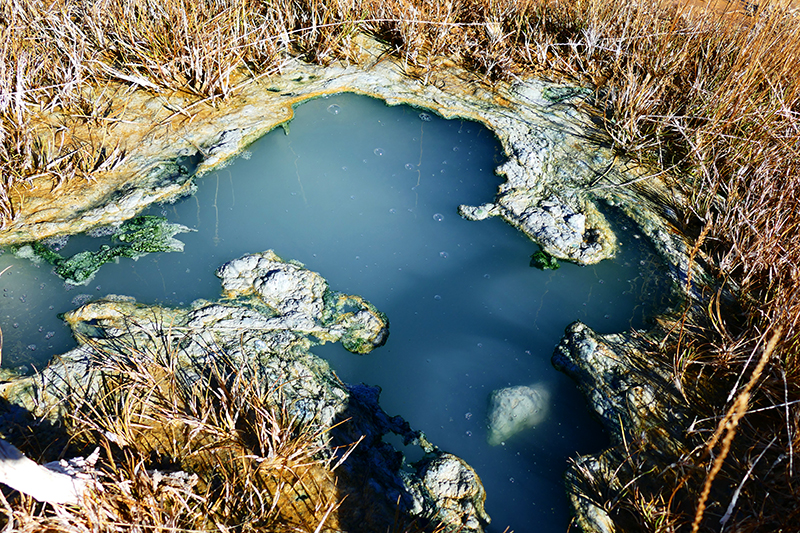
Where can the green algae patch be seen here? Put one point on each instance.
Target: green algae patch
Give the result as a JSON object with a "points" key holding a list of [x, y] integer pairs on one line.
{"points": [[544, 261], [137, 237]]}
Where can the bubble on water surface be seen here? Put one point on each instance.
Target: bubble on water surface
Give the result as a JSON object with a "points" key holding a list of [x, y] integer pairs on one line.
{"points": [[378, 151], [487, 276], [393, 210], [425, 117], [409, 166], [32, 347], [443, 255], [438, 217], [334, 109], [455, 148], [437, 297], [468, 416]]}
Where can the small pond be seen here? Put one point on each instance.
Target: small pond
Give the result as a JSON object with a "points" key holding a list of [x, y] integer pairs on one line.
{"points": [[367, 195]]}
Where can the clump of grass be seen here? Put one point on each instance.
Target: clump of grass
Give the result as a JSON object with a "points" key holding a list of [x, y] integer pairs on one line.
{"points": [[208, 447], [709, 97]]}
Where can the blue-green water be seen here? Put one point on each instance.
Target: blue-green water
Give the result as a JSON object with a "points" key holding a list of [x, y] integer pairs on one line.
{"points": [[367, 195]]}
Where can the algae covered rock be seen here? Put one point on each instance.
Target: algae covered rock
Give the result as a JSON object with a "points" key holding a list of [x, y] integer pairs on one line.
{"points": [[544, 261], [515, 409], [302, 300]]}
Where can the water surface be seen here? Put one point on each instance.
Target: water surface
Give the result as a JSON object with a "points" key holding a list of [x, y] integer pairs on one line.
{"points": [[367, 195]]}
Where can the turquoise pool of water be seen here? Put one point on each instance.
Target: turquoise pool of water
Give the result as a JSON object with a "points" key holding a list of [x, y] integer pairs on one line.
{"points": [[367, 195]]}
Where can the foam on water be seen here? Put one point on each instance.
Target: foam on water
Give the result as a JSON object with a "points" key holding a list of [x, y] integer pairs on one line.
{"points": [[367, 195]]}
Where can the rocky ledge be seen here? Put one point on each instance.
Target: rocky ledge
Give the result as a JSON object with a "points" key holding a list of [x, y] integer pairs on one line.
{"points": [[641, 409], [559, 172]]}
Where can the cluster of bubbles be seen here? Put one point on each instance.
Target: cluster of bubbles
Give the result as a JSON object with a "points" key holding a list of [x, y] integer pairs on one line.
{"points": [[81, 299], [56, 243], [102, 231], [424, 117]]}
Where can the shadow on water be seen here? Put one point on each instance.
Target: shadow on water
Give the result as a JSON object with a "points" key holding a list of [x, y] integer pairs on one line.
{"points": [[367, 196]]}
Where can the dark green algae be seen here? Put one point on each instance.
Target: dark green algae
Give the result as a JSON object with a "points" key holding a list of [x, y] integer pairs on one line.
{"points": [[133, 239]]}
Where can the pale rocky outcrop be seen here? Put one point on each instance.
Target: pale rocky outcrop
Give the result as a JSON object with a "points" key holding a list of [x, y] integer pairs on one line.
{"points": [[556, 171], [640, 408]]}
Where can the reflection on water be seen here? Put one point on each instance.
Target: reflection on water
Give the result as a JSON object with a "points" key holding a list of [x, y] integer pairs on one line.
{"points": [[367, 195]]}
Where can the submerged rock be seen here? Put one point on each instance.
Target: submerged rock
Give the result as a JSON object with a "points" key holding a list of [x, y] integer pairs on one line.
{"points": [[515, 409], [272, 313]]}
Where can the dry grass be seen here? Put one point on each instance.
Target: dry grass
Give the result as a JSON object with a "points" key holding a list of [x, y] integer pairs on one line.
{"points": [[713, 99], [214, 446]]}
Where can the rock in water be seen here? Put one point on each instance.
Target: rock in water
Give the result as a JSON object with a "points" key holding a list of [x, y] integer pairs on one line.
{"points": [[514, 409]]}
